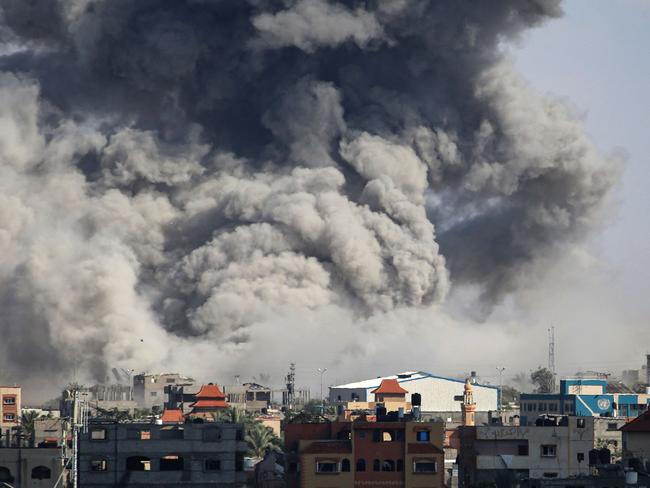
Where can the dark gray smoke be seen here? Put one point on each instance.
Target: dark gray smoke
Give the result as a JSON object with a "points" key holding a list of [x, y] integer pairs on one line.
{"points": [[179, 170]]}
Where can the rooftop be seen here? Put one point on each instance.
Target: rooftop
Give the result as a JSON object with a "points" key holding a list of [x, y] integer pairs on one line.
{"points": [[390, 386], [402, 378], [639, 424]]}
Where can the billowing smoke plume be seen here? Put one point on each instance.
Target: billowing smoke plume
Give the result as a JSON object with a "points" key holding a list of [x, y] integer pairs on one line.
{"points": [[179, 171]]}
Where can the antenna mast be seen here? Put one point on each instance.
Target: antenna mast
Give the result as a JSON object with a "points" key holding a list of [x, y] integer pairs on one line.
{"points": [[551, 355]]}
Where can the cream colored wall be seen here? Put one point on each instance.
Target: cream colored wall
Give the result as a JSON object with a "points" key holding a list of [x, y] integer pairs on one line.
{"points": [[310, 479], [436, 436]]}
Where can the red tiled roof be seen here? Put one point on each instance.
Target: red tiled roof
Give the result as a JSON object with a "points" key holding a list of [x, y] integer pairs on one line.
{"points": [[328, 447], [423, 448], [639, 424], [172, 416], [209, 404], [210, 391], [390, 386]]}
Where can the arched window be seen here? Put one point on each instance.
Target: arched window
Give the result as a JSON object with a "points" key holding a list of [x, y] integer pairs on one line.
{"points": [[400, 465], [361, 464], [171, 462], [138, 463], [5, 475], [376, 465], [345, 465], [41, 473], [388, 465]]}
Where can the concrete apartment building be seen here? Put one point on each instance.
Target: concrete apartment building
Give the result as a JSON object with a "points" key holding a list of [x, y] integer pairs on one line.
{"points": [[31, 467], [141, 454], [345, 454], [10, 407], [439, 394], [559, 449], [636, 443], [149, 389], [251, 397]]}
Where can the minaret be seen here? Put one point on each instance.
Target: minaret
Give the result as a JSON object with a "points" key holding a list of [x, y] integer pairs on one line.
{"points": [[468, 407]]}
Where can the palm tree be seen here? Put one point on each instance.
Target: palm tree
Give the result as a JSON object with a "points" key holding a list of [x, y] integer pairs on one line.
{"points": [[27, 425], [261, 439], [234, 415]]}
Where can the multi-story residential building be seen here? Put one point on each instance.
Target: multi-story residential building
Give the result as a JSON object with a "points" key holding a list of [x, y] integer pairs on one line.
{"points": [[400, 453], [636, 443], [438, 394], [584, 398], [10, 406], [249, 396], [149, 389], [138, 454], [32, 468], [557, 448]]}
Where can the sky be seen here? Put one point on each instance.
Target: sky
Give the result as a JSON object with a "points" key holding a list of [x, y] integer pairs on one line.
{"points": [[596, 58]]}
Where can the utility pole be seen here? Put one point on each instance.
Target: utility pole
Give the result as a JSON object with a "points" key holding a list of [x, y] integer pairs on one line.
{"points": [[500, 404], [322, 399], [291, 386], [551, 355]]}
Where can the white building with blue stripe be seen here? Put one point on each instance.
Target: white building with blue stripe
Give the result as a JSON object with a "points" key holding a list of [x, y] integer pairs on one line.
{"points": [[438, 393]]}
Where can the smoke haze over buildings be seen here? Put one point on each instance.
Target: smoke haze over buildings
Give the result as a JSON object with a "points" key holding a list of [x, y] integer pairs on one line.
{"points": [[184, 180]]}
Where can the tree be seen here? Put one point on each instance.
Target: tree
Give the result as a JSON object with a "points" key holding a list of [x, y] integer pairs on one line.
{"points": [[543, 379], [261, 439], [258, 436], [27, 425]]}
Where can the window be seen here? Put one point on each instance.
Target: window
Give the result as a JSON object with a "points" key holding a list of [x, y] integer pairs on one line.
{"points": [[345, 465], [376, 465], [138, 463], [425, 466], [338, 398], [98, 434], [171, 462], [5, 475], [9, 417], [9, 400], [41, 473], [137, 434], [542, 407], [400, 465], [550, 475], [422, 435], [361, 464], [612, 426], [548, 451], [327, 466], [172, 432], [388, 465], [98, 465], [386, 436], [581, 457], [552, 407], [170, 380], [239, 435], [239, 462], [211, 434], [522, 450], [214, 465], [153, 393], [580, 423]]}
